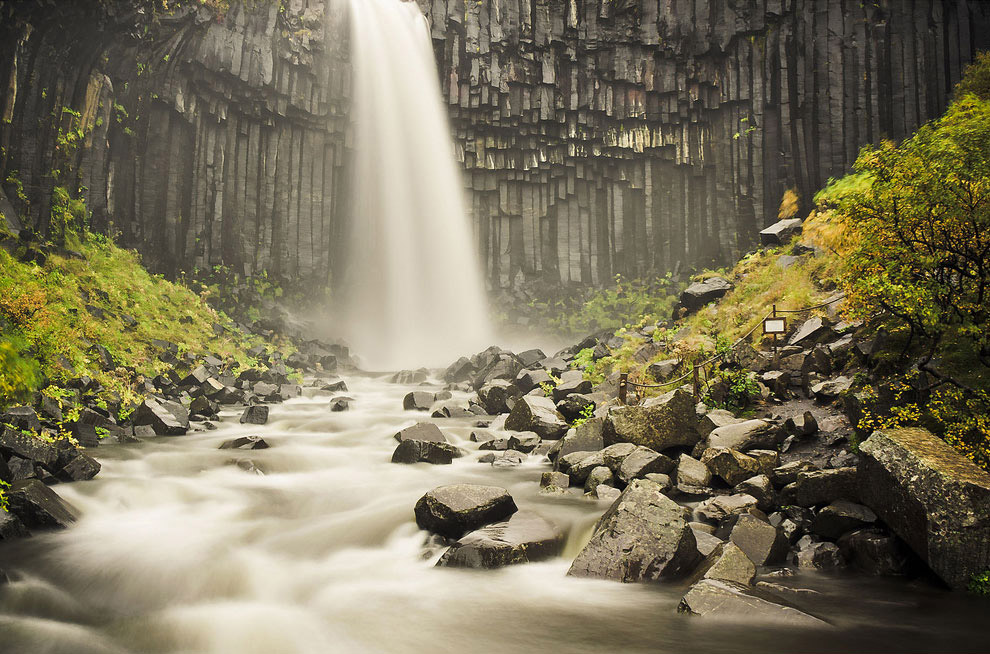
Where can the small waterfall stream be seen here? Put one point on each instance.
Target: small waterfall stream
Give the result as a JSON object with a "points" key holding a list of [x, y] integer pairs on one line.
{"points": [[412, 292]]}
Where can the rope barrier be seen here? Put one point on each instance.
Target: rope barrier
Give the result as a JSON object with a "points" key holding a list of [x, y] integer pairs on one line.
{"points": [[625, 382]]}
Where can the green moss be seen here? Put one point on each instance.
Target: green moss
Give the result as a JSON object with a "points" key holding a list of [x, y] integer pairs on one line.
{"points": [[979, 584]]}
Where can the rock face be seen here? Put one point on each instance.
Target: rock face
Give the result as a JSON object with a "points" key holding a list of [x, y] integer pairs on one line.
{"points": [[454, 510], [643, 536], [930, 496], [522, 538], [596, 138]]}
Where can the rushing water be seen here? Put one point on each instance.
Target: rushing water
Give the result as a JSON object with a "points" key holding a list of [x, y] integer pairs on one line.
{"points": [[179, 551], [412, 290]]}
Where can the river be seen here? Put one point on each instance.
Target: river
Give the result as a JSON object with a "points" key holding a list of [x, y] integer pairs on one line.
{"points": [[180, 551]]}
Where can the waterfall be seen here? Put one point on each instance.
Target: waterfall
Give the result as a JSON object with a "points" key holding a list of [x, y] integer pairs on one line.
{"points": [[412, 292]]}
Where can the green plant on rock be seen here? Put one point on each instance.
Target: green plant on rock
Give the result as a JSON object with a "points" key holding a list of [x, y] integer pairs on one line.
{"points": [[587, 413], [4, 502], [732, 389], [979, 584]]}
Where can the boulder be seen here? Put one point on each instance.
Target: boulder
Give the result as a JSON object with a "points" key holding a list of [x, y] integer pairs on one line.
{"points": [[531, 357], [664, 422], [80, 468], [826, 391], [17, 443], [763, 543], [722, 506], [11, 527], [421, 431], [580, 464], [715, 419], [508, 459], [693, 477], [840, 517], [935, 499], [524, 442], [810, 331], [745, 435], [554, 479], [726, 562], [497, 396], [874, 551], [166, 418], [413, 451], [528, 380], [662, 370], [575, 405], [536, 414], [732, 466], [726, 599], [597, 477], [643, 536], [642, 462], [339, 404], [768, 460], [781, 232], [245, 443], [586, 437], [614, 455], [817, 487], [524, 537], [497, 444], [804, 425], [699, 294], [787, 473], [255, 415], [759, 487], [605, 493], [21, 417], [816, 555], [572, 381], [38, 506], [418, 401], [452, 511]]}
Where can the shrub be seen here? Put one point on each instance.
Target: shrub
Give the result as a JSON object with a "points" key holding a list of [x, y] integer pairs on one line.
{"points": [[979, 583]]}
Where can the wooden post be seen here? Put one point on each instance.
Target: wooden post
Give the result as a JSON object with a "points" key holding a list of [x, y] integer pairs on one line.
{"points": [[697, 383], [775, 360], [623, 385]]}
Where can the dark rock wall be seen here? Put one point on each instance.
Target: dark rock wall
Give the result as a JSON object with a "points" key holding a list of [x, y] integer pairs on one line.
{"points": [[597, 136], [629, 136]]}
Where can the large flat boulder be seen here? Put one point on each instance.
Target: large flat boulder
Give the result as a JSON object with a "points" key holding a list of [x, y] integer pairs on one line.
{"points": [[413, 451], [165, 417], [421, 431], [17, 443], [454, 510], [746, 435], [664, 422], [936, 500], [524, 537], [537, 414], [586, 437], [39, 506], [727, 599], [699, 294], [644, 536]]}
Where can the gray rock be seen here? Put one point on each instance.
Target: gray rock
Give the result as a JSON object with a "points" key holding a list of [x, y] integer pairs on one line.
{"points": [[642, 537], [746, 435], [760, 488], [245, 443], [693, 477], [454, 510], [664, 422], [339, 404], [722, 506], [11, 527], [523, 538], [508, 459], [732, 466], [829, 390], [421, 431], [727, 563], [572, 381], [811, 331], [662, 370], [614, 455], [497, 396], [874, 551], [16, 443], [21, 417], [805, 425], [715, 419], [813, 555], [840, 517], [163, 416], [763, 543], [586, 437], [642, 462], [413, 451], [255, 415], [40, 507], [528, 380], [699, 294], [598, 476], [581, 466], [821, 487], [606, 493], [524, 442], [662, 480], [80, 468], [554, 479], [536, 414], [706, 541], [936, 500], [787, 473], [418, 401], [768, 460], [725, 599], [781, 232]]}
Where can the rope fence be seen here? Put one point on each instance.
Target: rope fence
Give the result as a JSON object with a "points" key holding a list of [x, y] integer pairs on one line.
{"points": [[701, 368]]}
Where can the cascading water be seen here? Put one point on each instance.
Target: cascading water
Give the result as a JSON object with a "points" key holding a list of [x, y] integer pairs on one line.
{"points": [[412, 292]]}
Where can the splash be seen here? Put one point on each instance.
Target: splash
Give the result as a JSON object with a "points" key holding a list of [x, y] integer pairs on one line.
{"points": [[412, 291]]}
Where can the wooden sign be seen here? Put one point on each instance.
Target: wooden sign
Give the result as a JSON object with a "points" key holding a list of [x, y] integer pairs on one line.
{"points": [[774, 325]]}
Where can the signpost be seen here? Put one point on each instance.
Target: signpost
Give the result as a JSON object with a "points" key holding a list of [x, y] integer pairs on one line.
{"points": [[774, 325]]}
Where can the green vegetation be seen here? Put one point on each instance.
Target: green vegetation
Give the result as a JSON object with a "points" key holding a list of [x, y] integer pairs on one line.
{"points": [[979, 584], [53, 314]]}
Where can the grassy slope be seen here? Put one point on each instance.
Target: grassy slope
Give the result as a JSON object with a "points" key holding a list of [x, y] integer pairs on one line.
{"points": [[45, 319]]}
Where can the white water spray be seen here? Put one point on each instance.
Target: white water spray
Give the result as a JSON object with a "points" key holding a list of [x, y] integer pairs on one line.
{"points": [[413, 293]]}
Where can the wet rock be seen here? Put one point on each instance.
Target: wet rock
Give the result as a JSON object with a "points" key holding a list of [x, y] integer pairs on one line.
{"points": [[21, 417], [760, 488], [580, 464], [413, 451], [605, 493], [821, 487], [497, 444], [693, 477], [38, 506], [418, 401], [721, 506], [421, 431], [574, 406], [586, 437], [165, 417], [454, 510], [335, 387], [781, 232], [554, 479], [497, 396], [245, 443], [536, 414], [523, 538], [452, 410], [487, 458], [732, 466], [339, 404], [805, 425], [410, 376], [524, 442], [699, 294], [643, 536], [763, 543], [16, 443], [11, 527], [509, 459], [840, 517], [528, 380], [874, 551], [725, 599], [572, 381], [664, 422], [599, 476], [80, 468], [255, 415], [814, 555], [715, 419], [727, 563], [641, 463], [746, 435], [787, 473], [936, 500]]}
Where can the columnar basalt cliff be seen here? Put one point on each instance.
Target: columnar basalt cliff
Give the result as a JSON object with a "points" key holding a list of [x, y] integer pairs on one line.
{"points": [[629, 136], [597, 136]]}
